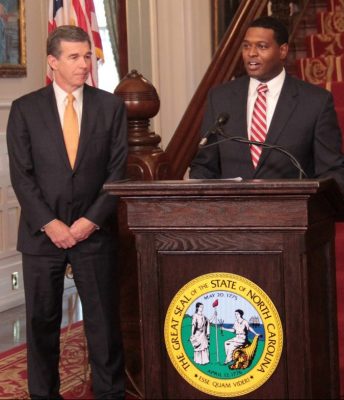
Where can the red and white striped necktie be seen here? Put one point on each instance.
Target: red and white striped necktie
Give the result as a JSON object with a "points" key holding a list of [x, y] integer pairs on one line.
{"points": [[258, 124]]}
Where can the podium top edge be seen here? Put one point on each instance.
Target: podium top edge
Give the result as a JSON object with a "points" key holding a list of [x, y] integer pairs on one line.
{"points": [[128, 188]]}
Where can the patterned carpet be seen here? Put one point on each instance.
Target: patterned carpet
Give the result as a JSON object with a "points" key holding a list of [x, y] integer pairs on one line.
{"points": [[74, 370]]}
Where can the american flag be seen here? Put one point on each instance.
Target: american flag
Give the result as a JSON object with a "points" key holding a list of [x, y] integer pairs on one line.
{"points": [[80, 13]]}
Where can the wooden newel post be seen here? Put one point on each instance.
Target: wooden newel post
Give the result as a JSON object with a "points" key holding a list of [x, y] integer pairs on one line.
{"points": [[146, 159]]}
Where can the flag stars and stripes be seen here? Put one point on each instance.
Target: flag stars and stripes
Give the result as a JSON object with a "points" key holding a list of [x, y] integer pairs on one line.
{"points": [[79, 13]]}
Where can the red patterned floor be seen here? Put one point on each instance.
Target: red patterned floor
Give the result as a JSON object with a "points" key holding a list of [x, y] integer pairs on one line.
{"points": [[74, 369]]}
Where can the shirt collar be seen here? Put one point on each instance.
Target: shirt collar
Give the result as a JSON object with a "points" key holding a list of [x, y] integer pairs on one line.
{"points": [[274, 85], [61, 94]]}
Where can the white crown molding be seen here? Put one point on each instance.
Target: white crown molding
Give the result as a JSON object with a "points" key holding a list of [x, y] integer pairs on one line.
{"points": [[5, 104]]}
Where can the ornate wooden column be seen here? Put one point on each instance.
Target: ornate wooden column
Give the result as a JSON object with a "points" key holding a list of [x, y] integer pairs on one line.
{"points": [[286, 11], [281, 10], [146, 159]]}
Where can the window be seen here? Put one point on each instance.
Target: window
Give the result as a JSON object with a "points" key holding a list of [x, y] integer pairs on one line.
{"points": [[108, 77]]}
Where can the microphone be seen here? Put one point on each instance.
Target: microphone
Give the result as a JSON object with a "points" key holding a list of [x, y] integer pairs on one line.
{"points": [[240, 139], [221, 120]]}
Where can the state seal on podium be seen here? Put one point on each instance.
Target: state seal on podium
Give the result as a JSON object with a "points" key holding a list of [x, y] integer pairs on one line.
{"points": [[223, 334]]}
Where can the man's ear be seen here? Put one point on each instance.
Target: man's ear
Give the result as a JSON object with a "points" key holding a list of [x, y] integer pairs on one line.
{"points": [[52, 61], [284, 51]]}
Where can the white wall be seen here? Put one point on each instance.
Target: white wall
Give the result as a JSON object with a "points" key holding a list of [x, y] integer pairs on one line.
{"points": [[11, 88], [170, 44]]}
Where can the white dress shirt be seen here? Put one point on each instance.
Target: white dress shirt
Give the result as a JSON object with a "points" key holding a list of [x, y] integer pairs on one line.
{"points": [[61, 100], [272, 96]]}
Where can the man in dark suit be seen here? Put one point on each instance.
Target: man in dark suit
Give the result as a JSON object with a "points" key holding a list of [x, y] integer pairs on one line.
{"points": [[300, 118], [59, 161]]}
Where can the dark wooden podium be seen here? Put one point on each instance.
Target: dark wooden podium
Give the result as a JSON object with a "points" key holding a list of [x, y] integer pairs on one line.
{"points": [[277, 234]]}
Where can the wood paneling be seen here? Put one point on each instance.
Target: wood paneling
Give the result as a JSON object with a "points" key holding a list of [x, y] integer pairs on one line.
{"points": [[184, 229]]}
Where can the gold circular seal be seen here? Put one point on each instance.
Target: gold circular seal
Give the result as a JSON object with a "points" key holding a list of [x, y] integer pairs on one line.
{"points": [[223, 334]]}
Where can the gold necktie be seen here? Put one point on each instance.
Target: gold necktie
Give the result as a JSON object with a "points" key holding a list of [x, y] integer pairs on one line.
{"points": [[71, 129]]}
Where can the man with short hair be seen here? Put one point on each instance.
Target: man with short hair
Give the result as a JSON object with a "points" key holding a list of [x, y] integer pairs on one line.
{"points": [[272, 107], [64, 142]]}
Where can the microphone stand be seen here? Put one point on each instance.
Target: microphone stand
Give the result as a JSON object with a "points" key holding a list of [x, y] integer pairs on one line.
{"points": [[241, 139]]}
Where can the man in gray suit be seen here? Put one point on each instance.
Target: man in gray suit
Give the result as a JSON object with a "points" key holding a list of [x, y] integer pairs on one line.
{"points": [[300, 118], [66, 217]]}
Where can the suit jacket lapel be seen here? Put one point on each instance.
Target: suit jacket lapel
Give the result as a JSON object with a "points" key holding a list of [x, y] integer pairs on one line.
{"points": [[50, 116], [239, 109], [239, 115], [284, 109], [88, 120]]}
